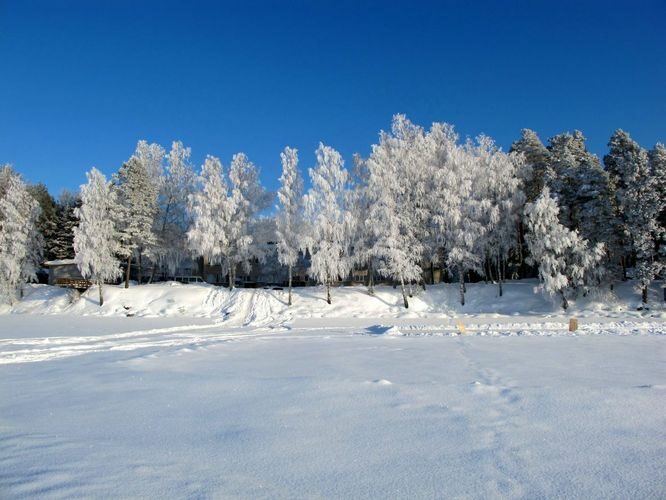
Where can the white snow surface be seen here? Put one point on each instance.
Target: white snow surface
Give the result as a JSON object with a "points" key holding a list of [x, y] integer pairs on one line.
{"points": [[205, 393]]}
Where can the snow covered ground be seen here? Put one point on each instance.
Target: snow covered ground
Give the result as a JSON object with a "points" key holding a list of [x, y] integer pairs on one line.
{"points": [[205, 393]]}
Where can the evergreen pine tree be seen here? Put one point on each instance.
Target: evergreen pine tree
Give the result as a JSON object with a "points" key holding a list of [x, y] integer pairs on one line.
{"points": [[137, 196], [47, 223], [537, 161], [562, 256], [63, 244]]}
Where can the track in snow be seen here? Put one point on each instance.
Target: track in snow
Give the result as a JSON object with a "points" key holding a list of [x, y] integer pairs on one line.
{"points": [[247, 324]]}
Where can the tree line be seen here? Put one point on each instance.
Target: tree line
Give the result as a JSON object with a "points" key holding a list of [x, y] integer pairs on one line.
{"points": [[422, 198]]}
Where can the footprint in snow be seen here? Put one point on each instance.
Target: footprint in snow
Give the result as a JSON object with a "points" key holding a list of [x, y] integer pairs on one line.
{"points": [[380, 381]]}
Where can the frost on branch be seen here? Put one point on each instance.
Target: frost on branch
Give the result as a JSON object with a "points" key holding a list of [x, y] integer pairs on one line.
{"points": [[96, 238]]}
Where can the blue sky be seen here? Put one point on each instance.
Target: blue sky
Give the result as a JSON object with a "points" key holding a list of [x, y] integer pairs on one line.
{"points": [[81, 82]]}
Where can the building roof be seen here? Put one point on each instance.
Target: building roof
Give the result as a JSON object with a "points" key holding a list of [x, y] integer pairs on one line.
{"points": [[61, 262]]}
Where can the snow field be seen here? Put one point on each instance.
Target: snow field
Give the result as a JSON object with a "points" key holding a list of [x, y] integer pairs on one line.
{"points": [[205, 393], [339, 413]]}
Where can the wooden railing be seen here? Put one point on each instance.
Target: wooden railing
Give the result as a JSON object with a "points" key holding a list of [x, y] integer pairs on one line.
{"points": [[77, 283]]}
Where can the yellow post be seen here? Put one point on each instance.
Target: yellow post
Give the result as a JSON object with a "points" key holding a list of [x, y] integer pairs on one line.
{"points": [[461, 327], [573, 324]]}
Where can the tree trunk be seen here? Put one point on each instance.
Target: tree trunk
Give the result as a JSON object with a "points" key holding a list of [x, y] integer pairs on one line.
{"points": [[371, 278], [624, 268], [499, 275], [404, 295], [519, 246], [462, 286], [644, 294], [409, 290], [232, 278], [101, 295], [127, 273], [328, 291], [432, 273], [139, 267], [200, 266], [152, 273], [565, 302], [289, 301]]}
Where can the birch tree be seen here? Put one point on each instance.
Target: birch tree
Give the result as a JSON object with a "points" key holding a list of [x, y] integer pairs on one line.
{"points": [[329, 219], [289, 217], [247, 198], [503, 189], [20, 240], [173, 216], [207, 236], [460, 202], [95, 237], [363, 238], [391, 214]]}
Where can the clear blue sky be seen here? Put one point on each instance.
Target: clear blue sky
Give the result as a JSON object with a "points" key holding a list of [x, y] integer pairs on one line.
{"points": [[82, 81]]}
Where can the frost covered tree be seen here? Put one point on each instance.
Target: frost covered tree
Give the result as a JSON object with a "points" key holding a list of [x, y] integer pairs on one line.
{"points": [[639, 204], [95, 237], [152, 157], [173, 216], [641, 207], [502, 186], [329, 219], [418, 179], [465, 232], [564, 259], [63, 243], [289, 218], [137, 193], [47, 223], [461, 207], [7, 172], [20, 240], [657, 158], [623, 153], [247, 198], [363, 236], [537, 161], [584, 192], [566, 152], [210, 211], [392, 217]]}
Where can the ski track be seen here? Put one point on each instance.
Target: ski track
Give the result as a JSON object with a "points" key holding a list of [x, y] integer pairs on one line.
{"points": [[246, 323], [47, 348]]}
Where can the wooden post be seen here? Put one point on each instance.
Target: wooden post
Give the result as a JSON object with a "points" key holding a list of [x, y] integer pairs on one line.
{"points": [[573, 324], [461, 327]]}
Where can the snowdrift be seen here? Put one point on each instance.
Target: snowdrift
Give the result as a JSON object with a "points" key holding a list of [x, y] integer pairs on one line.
{"points": [[264, 306]]}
